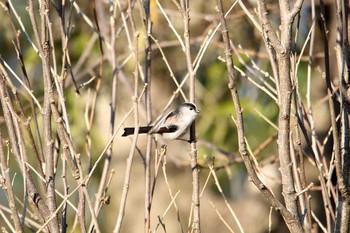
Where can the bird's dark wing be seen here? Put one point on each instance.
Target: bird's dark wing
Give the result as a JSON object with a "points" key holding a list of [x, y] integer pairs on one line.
{"points": [[168, 129]]}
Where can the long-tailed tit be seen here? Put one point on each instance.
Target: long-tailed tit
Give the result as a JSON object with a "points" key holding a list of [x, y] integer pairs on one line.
{"points": [[172, 126]]}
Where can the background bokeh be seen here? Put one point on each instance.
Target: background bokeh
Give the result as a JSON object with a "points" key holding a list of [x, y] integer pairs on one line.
{"points": [[216, 130]]}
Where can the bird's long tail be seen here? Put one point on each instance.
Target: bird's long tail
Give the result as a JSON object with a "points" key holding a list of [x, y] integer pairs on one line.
{"points": [[131, 130], [145, 129]]}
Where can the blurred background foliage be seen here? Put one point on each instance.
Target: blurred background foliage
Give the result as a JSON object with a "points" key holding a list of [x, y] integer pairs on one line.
{"points": [[214, 125]]}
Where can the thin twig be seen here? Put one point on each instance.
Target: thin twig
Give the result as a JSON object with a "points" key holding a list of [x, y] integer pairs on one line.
{"points": [[172, 196], [217, 183], [220, 216]]}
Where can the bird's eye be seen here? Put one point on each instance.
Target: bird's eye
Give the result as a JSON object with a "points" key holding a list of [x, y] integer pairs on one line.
{"points": [[191, 108]]}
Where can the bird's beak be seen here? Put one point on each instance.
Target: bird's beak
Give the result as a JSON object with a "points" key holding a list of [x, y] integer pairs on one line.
{"points": [[198, 111]]}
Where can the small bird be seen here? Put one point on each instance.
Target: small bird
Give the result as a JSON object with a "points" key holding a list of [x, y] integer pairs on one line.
{"points": [[172, 126]]}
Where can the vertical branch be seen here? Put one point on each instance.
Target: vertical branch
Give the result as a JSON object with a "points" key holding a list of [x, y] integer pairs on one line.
{"points": [[90, 121], [9, 190], [134, 143], [64, 39], [285, 85], [17, 45], [33, 194], [296, 148], [288, 189], [44, 52], [342, 161], [94, 99], [331, 106], [308, 98], [289, 213], [148, 102], [282, 48], [107, 162], [305, 202], [196, 226]]}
